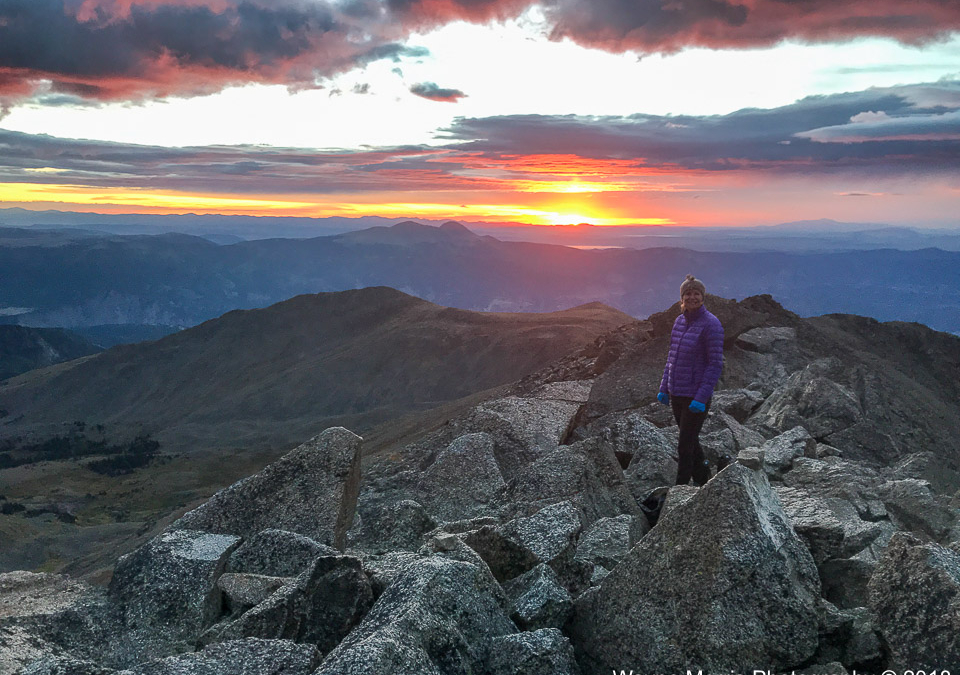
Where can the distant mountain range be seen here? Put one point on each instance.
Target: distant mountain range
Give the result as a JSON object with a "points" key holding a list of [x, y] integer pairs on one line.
{"points": [[65, 280], [807, 236], [208, 226], [822, 235]]}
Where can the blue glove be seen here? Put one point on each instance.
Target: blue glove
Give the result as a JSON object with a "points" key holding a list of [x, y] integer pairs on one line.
{"points": [[697, 407], [664, 398]]}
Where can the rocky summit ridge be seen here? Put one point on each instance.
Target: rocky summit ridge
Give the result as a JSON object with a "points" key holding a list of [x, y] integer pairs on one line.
{"points": [[532, 534]]}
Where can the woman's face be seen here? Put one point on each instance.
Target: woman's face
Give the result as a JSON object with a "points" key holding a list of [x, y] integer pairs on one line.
{"points": [[692, 299]]}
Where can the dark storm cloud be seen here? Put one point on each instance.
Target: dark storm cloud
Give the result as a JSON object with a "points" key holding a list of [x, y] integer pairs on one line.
{"points": [[670, 25], [111, 50], [434, 93], [134, 49]]}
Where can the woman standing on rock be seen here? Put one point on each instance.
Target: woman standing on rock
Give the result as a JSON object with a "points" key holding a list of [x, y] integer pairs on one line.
{"points": [[692, 370]]}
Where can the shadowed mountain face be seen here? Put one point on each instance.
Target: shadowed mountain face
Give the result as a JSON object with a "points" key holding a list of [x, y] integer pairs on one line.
{"points": [[225, 397], [274, 376], [23, 349], [182, 280]]}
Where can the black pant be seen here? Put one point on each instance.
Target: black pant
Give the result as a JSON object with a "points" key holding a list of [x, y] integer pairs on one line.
{"points": [[691, 461]]}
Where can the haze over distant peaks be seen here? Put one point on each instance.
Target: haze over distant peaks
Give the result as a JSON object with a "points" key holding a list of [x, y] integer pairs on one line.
{"points": [[826, 225]]}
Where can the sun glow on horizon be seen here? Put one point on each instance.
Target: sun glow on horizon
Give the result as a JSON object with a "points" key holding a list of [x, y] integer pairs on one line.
{"points": [[157, 201], [38, 196]]}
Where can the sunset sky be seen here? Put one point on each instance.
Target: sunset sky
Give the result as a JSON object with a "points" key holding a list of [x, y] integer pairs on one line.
{"points": [[699, 112]]}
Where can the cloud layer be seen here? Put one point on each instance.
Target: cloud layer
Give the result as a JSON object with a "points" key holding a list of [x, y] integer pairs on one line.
{"points": [[902, 129], [912, 130], [132, 49]]}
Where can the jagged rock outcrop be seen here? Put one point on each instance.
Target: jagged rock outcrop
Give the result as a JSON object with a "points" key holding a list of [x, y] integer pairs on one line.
{"points": [[167, 591], [319, 607], [723, 434], [837, 477], [550, 533], [768, 355], [915, 594], [849, 636], [913, 507], [607, 541], [811, 399], [548, 536], [541, 652], [311, 491], [650, 468], [648, 457], [522, 429], [752, 458], [55, 619], [586, 473], [453, 548], [538, 600], [436, 617], [627, 434], [62, 664], [383, 570], [780, 452], [738, 403], [463, 480], [392, 526], [241, 592], [844, 580], [721, 582], [831, 527], [505, 557], [277, 553], [677, 496], [238, 657]]}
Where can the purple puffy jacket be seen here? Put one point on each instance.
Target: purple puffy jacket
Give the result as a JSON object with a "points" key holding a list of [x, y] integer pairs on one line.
{"points": [[696, 356]]}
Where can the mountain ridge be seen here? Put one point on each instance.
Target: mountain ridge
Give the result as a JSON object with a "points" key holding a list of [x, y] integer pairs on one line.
{"points": [[181, 282], [260, 364]]}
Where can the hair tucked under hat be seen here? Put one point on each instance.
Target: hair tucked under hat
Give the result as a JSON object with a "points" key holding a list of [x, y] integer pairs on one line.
{"points": [[692, 283]]}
